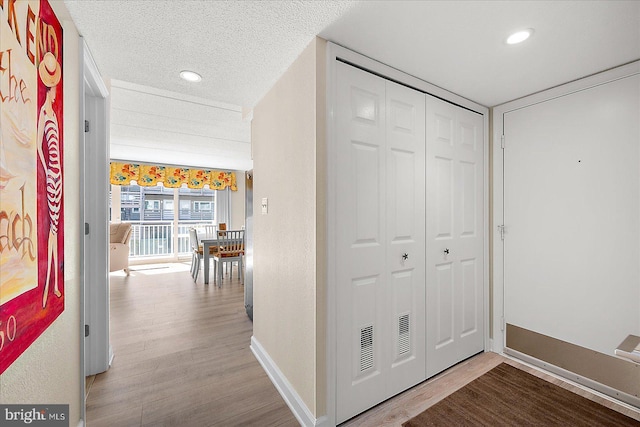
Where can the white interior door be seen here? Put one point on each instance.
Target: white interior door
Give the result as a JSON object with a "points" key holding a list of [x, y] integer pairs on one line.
{"points": [[455, 235], [380, 205], [572, 206]]}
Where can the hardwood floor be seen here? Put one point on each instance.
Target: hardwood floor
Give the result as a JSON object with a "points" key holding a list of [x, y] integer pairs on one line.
{"points": [[182, 358], [407, 405]]}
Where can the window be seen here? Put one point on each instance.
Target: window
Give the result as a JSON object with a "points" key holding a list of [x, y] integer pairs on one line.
{"points": [[130, 197], [154, 211], [145, 204], [167, 209], [202, 206], [197, 205], [152, 205]]}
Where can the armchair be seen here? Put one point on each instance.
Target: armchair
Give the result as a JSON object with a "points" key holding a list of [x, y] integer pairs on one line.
{"points": [[119, 236]]}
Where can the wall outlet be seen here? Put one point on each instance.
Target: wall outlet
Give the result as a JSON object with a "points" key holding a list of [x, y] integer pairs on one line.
{"points": [[265, 206]]}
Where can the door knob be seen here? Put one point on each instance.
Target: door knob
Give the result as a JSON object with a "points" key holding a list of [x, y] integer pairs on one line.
{"points": [[446, 251], [405, 256]]}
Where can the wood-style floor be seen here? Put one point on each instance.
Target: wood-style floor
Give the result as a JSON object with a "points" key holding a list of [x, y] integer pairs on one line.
{"points": [[182, 358], [407, 405]]}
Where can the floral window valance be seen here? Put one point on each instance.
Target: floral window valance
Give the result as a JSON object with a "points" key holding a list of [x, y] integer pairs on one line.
{"points": [[171, 176]]}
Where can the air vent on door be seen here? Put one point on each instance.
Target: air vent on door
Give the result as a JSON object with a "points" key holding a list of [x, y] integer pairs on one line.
{"points": [[366, 348], [404, 334]]}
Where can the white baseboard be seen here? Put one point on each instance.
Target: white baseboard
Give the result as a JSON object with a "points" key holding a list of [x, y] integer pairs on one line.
{"points": [[288, 393]]}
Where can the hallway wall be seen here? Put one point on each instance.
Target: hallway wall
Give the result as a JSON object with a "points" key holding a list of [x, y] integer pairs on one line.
{"points": [[48, 372], [289, 308]]}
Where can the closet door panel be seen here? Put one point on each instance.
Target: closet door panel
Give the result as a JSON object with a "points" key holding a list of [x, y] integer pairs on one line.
{"points": [[405, 188], [360, 241], [454, 294], [441, 271], [470, 158]]}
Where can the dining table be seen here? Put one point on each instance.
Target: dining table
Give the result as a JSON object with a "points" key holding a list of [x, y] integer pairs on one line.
{"points": [[207, 243]]}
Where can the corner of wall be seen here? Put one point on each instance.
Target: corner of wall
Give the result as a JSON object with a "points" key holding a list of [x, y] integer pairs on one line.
{"points": [[321, 224], [286, 273]]}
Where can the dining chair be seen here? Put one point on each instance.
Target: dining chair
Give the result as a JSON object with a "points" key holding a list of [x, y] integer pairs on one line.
{"points": [[222, 226], [230, 248], [196, 253], [210, 231]]}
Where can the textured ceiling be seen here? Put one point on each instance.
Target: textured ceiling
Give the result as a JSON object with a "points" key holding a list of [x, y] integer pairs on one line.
{"points": [[241, 48]]}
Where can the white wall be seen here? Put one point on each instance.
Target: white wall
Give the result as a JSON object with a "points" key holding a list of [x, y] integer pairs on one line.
{"points": [[48, 372], [287, 133]]}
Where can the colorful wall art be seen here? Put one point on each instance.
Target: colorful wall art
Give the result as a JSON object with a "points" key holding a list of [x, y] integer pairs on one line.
{"points": [[31, 174]]}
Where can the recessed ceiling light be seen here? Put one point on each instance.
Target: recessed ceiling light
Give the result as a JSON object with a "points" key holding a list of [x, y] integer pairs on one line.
{"points": [[190, 76], [520, 36]]}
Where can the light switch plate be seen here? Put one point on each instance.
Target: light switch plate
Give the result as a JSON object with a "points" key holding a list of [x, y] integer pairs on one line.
{"points": [[265, 206]]}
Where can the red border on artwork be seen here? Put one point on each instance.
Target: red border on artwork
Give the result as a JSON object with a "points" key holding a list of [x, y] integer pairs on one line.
{"points": [[23, 317]]}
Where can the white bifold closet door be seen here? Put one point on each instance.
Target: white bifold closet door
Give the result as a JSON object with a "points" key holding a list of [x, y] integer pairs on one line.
{"points": [[455, 234], [380, 227], [409, 273]]}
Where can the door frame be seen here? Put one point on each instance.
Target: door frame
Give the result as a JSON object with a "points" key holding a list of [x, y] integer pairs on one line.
{"points": [[499, 336], [93, 299], [339, 53]]}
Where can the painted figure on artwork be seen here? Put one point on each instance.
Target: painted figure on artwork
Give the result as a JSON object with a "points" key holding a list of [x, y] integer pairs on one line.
{"points": [[50, 72]]}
